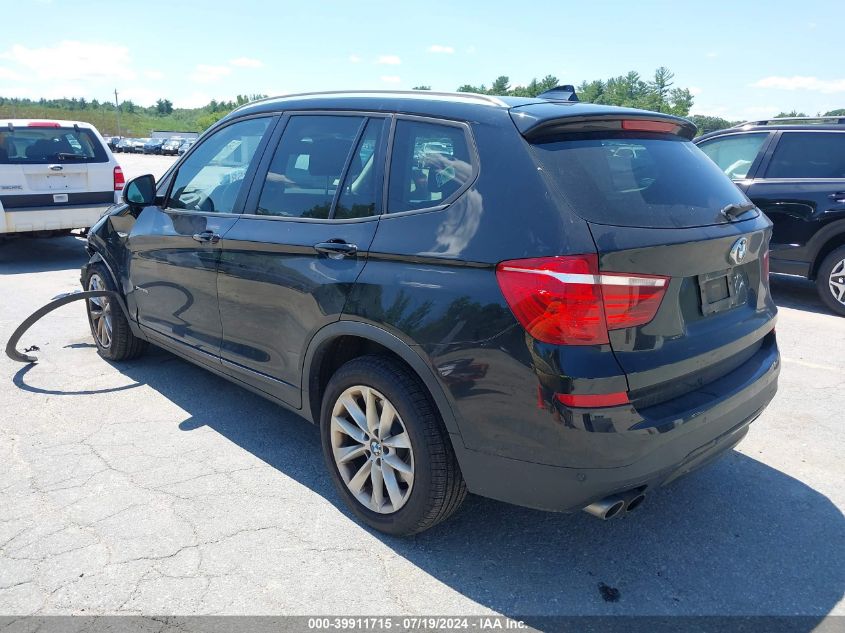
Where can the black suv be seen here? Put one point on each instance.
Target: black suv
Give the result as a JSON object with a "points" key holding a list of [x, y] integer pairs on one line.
{"points": [[550, 303], [794, 170]]}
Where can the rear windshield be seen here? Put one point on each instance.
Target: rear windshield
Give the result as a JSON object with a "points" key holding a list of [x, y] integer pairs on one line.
{"points": [[40, 145], [659, 182]]}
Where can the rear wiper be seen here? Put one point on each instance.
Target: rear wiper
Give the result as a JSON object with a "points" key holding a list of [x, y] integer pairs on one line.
{"points": [[68, 155], [733, 210]]}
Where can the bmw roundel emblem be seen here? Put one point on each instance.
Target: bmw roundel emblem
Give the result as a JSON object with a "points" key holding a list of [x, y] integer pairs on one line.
{"points": [[738, 251]]}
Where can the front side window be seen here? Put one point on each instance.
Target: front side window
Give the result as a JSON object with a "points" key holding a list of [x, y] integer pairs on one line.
{"points": [[808, 155], [306, 168], [735, 154], [430, 163], [49, 144], [211, 178]]}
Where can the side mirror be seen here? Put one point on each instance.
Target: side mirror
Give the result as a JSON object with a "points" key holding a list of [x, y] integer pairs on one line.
{"points": [[140, 191]]}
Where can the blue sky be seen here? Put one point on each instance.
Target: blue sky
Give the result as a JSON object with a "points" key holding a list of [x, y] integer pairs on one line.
{"points": [[741, 59]]}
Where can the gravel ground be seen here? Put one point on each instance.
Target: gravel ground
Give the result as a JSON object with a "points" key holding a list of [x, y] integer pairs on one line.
{"points": [[155, 487]]}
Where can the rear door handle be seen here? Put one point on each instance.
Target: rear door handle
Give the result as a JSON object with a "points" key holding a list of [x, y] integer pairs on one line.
{"points": [[839, 196], [207, 237], [336, 249]]}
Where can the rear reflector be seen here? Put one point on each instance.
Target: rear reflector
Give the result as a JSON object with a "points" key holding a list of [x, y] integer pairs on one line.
{"points": [[566, 301], [636, 125], [119, 179], [43, 124], [592, 400]]}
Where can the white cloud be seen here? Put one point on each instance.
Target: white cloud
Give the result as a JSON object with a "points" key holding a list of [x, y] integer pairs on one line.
{"points": [[73, 61], [354, 59], [389, 60], [246, 62], [155, 75], [207, 74], [712, 55], [797, 82], [437, 48], [391, 79], [9, 75]]}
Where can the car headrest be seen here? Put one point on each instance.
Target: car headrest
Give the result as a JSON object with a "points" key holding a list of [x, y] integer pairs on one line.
{"points": [[328, 156]]}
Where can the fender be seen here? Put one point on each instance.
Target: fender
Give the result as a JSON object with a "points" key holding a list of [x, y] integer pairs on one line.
{"points": [[98, 258], [816, 243], [319, 343]]}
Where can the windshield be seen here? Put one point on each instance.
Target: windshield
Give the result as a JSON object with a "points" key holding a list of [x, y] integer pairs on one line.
{"points": [[42, 145], [659, 181]]}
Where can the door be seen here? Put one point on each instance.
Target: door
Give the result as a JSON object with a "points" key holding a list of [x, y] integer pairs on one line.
{"points": [[290, 261], [802, 191], [175, 246]]}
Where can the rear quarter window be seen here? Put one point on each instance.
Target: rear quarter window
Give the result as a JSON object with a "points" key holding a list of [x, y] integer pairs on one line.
{"points": [[650, 181], [42, 145], [808, 155]]}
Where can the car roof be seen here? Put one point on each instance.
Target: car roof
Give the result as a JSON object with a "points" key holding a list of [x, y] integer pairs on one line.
{"points": [[59, 122], [458, 105], [824, 123]]}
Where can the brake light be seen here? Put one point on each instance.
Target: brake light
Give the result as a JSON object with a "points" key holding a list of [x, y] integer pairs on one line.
{"points": [[566, 301], [42, 124], [119, 179], [636, 125]]}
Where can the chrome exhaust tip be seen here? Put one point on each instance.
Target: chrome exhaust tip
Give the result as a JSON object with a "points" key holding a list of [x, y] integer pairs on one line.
{"points": [[634, 502], [606, 508]]}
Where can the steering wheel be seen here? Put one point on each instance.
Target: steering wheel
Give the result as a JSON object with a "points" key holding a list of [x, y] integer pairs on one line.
{"points": [[196, 200]]}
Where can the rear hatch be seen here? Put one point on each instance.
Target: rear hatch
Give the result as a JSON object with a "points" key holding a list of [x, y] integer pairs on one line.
{"points": [[45, 164], [657, 206]]}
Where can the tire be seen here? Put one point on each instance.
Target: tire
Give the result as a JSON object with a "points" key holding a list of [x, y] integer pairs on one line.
{"points": [[831, 278], [109, 327], [436, 487]]}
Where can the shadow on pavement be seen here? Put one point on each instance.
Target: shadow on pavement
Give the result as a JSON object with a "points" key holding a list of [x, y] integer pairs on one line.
{"points": [[34, 255], [789, 291], [736, 538]]}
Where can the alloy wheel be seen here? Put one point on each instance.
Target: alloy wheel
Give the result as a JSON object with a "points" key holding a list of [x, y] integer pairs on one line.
{"points": [[372, 450], [837, 281], [100, 310]]}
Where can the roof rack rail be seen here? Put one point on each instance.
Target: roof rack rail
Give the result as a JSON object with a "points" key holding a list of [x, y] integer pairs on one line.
{"points": [[491, 99], [820, 120]]}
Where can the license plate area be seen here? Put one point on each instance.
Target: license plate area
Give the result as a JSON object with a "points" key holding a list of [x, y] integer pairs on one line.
{"points": [[718, 292]]}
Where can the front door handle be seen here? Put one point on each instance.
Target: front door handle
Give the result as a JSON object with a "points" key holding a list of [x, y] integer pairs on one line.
{"points": [[207, 237], [839, 196], [336, 249]]}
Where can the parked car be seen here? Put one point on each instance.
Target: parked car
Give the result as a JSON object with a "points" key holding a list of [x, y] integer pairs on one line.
{"points": [[565, 311], [794, 170], [171, 146], [124, 145], [154, 145], [184, 147], [55, 176], [137, 145]]}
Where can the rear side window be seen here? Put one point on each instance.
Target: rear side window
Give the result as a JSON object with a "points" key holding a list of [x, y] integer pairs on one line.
{"points": [[659, 182], [736, 153], [306, 168], [42, 145], [430, 164], [361, 192], [808, 155]]}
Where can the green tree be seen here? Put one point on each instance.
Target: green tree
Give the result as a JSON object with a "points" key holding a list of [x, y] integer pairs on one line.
{"points": [[501, 86], [421, 88], [164, 107], [839, 112], [793, 113]]}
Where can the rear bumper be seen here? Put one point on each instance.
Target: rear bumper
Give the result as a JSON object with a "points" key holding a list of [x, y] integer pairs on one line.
{"points": [[667, 448], [50, 218]]}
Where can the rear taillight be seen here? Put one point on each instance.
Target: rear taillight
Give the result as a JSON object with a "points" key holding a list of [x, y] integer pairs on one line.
{"points": [[42, 124], [566, 301], [119, 180]]}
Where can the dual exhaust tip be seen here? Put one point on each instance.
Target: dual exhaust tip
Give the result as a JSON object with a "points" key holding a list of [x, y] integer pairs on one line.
{"points": [[615, 505]]}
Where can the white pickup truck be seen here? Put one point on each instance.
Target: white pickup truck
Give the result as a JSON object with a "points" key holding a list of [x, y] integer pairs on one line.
{"points": [[54, 176]]}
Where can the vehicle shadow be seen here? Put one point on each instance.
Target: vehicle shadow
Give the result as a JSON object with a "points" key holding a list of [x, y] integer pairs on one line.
{"points": [[736, 538], [34, 255], [790, 291]]}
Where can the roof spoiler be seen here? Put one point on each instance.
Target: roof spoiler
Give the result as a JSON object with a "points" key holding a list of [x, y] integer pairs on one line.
{"points": [[565, 92]]}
